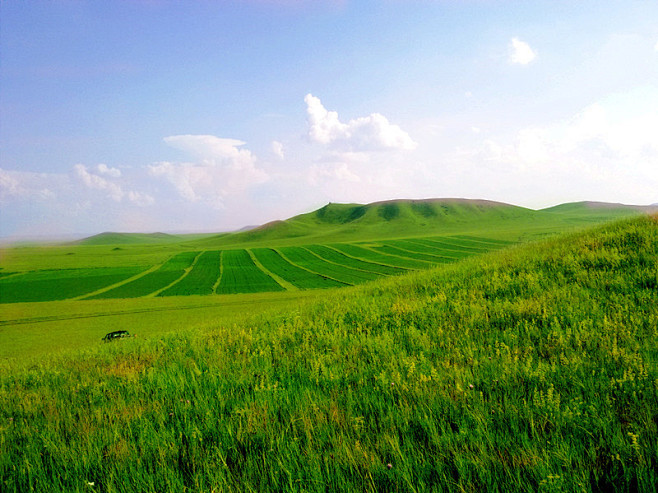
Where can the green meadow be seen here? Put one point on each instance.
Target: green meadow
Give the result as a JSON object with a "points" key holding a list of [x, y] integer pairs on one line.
{"points": [[400, 346]]}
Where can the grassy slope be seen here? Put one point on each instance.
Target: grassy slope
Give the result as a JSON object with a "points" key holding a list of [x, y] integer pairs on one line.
{"points": [[407, 218], [533, 368]]}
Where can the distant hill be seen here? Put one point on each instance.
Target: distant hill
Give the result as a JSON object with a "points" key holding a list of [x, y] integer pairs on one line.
{"points": [[387, 219], [111, 238], [396, 218], [598, 211]]}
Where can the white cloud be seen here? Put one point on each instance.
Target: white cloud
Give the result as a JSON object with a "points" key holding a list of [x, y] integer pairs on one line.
{"points": [[520, 52], [96, 182], [112, 189], [104, 169], [277, 149], [655, 47], [320, 174], [608, 150], [368, 133], [27, 185], [221, 169]]}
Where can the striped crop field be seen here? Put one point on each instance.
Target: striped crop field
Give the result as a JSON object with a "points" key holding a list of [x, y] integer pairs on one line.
{"points": [[488, 241], [201, 279], [365, 252], [338, 257], [50, 285], [241, 275], [256, 270], [298, 277], [452, 244], [440, 251], [172, 269], [400, 251], [304, 258]]}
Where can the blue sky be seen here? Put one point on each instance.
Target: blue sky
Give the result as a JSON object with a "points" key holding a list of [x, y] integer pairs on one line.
{"points": [[207, 116]]}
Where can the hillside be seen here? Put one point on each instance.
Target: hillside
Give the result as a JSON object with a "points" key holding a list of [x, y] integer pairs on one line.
{"points": [[599, 211], [529, 369], [409, 218], [111, 238]]}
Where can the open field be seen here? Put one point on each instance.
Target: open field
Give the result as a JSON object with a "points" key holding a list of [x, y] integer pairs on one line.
{"points": [[533, 368], [205, 272]]}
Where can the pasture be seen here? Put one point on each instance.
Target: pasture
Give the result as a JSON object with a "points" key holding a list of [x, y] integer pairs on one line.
{"points": [[530, 368]]}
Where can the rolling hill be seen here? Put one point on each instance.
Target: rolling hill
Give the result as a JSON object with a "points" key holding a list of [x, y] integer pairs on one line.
{"points": [[113, 238], [532, 369], [408, 218]]}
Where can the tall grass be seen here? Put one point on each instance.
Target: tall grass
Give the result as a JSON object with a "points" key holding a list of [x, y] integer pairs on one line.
{"points": [[530, 369]]}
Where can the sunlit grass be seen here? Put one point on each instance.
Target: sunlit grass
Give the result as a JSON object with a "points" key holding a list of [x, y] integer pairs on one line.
{"points": [[531, 369]]}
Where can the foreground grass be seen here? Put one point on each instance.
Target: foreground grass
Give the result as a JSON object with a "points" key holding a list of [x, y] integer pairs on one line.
{"points": [[532, 369]]}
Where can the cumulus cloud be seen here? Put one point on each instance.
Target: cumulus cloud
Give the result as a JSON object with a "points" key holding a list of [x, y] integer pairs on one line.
{"points": [[369, 133], [221, 168], [113, 190], [520, 52], [610, 145], [277, 149], [104, 169], [27, 185]]}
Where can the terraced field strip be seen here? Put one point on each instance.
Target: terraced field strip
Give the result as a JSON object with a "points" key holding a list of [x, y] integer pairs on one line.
{"points": [[186, 272], [442, 253], [51, 285], [455, 245], [366, 253], [332, 255], [200, 279], [406, 253], [280, 280], [297, 276], [480, 239], [304, 258], [221, 272], [170, 271], [241, 275], [117, 284]]}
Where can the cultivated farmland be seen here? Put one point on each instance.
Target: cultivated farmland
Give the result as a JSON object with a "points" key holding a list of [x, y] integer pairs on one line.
{"points": [[48, 285], [230, 271], [301, 278], [201, 279], [241, 275], [151, 283]]}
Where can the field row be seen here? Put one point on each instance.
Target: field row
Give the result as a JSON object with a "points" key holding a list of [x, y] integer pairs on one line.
{"points": [[245, 270]]}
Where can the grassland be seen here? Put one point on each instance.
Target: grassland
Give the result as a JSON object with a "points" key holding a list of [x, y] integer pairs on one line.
{"points": [[534, 368], [206, 272]]}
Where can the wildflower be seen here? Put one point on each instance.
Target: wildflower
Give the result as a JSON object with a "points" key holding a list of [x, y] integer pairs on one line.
{"points": [[90, 483], [392, 384], [470, 386], [389, 465], [171, 414]]}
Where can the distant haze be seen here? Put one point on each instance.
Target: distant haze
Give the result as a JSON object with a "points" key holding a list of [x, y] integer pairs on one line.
{"points": [[209, 116]]}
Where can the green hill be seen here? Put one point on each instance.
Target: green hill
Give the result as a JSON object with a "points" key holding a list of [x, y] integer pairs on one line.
{"points": [[389, 219], [598, 211], [529, 369], [111, 238], [409, 218]]}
